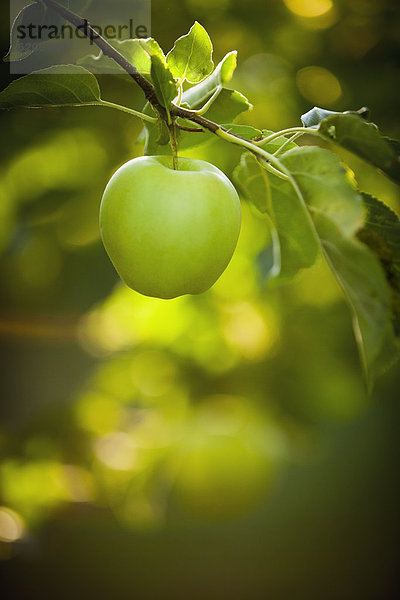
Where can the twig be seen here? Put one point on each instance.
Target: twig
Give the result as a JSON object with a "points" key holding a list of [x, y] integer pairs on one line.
{"points": [[143, 83], [149, 91], [107, 50], [191, 129]]}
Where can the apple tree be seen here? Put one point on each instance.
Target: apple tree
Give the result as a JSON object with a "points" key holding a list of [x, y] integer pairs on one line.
{"points": [[170, 224]]}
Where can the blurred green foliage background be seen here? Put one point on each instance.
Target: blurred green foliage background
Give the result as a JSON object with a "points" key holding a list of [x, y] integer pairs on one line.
{"points": [[219, 446]]}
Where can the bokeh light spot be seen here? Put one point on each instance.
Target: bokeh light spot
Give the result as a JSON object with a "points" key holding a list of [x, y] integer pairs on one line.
{"points": [[79, 483], [153, 373], [97, 412], [247, 331], [11, 525], [309, 8], [116, 450], [33, 487], [318, 85]]}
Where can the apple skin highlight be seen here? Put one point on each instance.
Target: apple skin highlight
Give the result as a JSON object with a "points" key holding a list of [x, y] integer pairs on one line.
{"points": [[169, 232]]}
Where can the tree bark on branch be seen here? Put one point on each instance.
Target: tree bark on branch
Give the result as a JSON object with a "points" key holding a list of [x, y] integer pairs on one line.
{"points": [[142, 82]]}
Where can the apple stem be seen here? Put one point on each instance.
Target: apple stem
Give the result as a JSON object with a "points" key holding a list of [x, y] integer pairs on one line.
{"points": [[174, 146]]}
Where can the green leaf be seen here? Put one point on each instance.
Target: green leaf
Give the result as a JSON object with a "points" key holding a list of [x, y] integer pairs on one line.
{"points": [[190, 58], [163, 81], [253, 181], [337, 212], [326, 186], [61, 85], [381, 233], [245, 131], [395, 144], [32, 13], [295, 236], [137, 51], [268, 261], [37, 14], [225, 69], [313, 117], [364, 140], [198, 94], [362, 279], [326, 192], [163, 133], [226, 108], [155, 137], [229, 105]]}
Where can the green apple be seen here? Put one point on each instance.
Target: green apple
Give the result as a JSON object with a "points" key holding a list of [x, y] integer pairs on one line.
{"points": [[168, 231]]}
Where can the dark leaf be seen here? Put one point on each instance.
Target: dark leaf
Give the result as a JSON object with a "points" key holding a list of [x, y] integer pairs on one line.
{"points": [[364, 140], [37, 15], [381, 232], [61, 85]]}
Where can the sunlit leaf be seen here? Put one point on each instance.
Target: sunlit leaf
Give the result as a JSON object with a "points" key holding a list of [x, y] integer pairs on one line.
{"points": [[298, 246], [163, 81], [137, 51], [227, 106], [61, 85], [245, 131], [326, 187], [337, 211], [197, 95], [190, 58]]}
